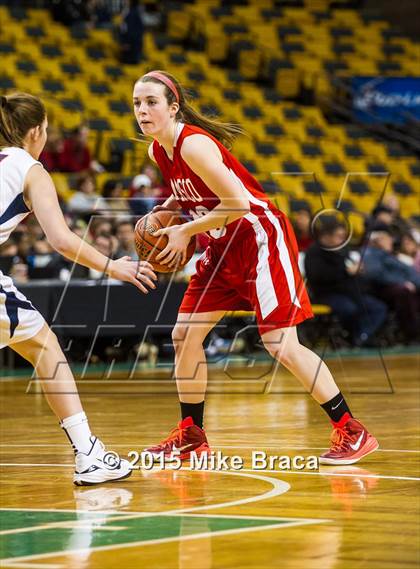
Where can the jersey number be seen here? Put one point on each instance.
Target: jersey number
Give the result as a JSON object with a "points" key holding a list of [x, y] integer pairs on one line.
{"points": [[200, 211]]}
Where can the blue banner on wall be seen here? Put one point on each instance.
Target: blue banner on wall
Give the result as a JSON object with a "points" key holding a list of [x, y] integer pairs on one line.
{"points": [[386, 99]]}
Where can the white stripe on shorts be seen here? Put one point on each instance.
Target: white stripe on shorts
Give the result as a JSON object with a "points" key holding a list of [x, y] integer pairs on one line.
{"points": [[266, 293], [284, 258]]}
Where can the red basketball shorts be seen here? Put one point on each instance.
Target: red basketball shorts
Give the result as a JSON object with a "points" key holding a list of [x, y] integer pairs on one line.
{"points": [[258, 270]]}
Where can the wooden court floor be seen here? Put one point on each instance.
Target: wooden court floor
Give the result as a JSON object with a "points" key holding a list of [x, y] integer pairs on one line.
{"points": [[363, 516]]}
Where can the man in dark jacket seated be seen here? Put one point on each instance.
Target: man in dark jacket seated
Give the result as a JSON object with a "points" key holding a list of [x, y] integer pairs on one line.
{"points": [[333, 279], [393, 281]]}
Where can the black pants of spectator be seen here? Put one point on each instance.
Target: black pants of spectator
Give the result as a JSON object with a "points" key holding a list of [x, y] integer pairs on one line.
{"points": [[406, 304], [361, 317]]}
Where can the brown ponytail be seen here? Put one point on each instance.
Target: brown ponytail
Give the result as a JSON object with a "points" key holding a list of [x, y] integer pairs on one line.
{"points": [[224, 132], [19, 112]]}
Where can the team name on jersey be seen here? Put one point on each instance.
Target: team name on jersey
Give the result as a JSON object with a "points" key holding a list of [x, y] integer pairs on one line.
{"points": [[183, 190]]}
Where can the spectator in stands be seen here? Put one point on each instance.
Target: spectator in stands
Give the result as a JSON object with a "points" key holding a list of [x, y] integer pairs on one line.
{"points": [[102, 13], [79, 227], [24, 242], [100, 226], [142, 195], [33, 229], [8, 252], [125, 236], [131, 33], [51, 156], [43, 261], [113, 192], [409, 251], [301, 221], [19, 271], [161, 191], [76, 156], [394, 281], [333, 280], [387, 212], [102, 243], [85, 199], [70, 12]]}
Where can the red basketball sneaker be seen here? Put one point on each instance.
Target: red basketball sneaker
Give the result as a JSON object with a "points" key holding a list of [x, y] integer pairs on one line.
{"points": [[350, 442], [184, 439]]}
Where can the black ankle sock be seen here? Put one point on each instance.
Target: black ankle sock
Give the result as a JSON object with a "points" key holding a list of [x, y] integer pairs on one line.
{"points": [[336, 407], [194, 410]]}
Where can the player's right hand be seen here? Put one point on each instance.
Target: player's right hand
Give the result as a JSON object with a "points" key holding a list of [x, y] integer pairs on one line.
{"points": [[134, 272]]}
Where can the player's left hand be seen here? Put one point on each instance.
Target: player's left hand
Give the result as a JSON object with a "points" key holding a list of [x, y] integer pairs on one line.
{"points": [[176, 250]]}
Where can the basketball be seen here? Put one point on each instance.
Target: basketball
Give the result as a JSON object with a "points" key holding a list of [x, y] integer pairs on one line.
{"points": [[148, 246]]}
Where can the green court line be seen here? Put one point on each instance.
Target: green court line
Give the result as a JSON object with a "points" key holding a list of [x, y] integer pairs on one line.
{"points": [[92, 530]]}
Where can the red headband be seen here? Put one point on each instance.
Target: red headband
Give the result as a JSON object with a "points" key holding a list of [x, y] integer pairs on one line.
{"points": [[170, 84]]}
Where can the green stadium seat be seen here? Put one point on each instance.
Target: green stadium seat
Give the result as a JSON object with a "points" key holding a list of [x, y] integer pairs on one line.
{"points": [[334, 168], [374, 167], [100, 88], [53, 86], [232, 95], [299, 205], [272, 95], [95, 53], [252, 112], [388, 67], [274, 130], [7, 83], [120, 107], [99, 124], [311, 150], [113, 71], [415, 169], [341, 31], [270, 186], [359, 187], [342, 48], [74, 105], [27, 67], [313, 187], [51, 50], [402, 188], [6, 47], [353, 151], [265, 149], [291, 167], [71, 68], [315, 131], [35, 32]]}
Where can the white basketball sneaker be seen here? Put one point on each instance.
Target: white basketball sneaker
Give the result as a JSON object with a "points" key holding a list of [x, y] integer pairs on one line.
{"points": [[99, 466]]}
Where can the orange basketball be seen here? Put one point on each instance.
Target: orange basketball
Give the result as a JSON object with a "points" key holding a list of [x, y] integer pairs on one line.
{"points": [[148, 246]]}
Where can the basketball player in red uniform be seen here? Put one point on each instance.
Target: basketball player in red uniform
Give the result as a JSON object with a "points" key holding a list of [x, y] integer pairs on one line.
{"points": [[250, 264]]}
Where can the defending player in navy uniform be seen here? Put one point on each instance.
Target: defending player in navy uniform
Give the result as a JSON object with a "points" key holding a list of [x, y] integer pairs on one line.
{"points": [[25, 187]]}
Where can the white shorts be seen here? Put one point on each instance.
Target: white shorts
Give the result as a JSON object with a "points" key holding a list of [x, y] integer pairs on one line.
{"points": [[19, 319]]}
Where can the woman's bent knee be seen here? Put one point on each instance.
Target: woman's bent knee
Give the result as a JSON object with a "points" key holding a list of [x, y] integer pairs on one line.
{"points": [[283, 353]]}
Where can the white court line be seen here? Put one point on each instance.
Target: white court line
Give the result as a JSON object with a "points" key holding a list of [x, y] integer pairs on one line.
{"points": [[145, 445], [278, 487], [15, 562], [244, 470]]}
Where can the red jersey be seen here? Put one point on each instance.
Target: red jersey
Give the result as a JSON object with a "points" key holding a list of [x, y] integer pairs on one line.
{"points": [[259, 271], [195, 197]]}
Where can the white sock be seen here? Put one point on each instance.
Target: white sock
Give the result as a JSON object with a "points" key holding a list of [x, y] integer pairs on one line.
{"points": [[77, 429]]}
